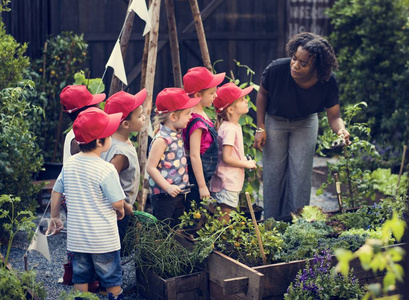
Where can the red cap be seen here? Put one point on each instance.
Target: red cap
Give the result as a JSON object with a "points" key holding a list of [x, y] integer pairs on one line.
{"points": [[171, 99], [93, 123], [200, 78], [227, 94], [74, 97], [124, 102]]}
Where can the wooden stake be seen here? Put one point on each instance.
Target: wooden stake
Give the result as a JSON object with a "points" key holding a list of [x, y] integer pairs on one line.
{"points": [[338, 189], [201, 34], [174, 43], [149, 82], [260, 242], [126, 34], [401, 169]]}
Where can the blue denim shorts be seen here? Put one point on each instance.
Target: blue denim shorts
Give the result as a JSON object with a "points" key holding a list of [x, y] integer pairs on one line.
{"points": [[106, 265]]}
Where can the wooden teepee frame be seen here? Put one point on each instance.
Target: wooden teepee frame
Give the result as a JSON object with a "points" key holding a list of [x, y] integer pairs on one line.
{"points": [[149, 65]]}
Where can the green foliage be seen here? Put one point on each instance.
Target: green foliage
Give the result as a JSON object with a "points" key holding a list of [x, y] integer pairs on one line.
{"points": [[72, 295], [374, 256], [15, 220], [12, 59], [65, 55], [386, 183], [371, 38], [370, 233], [352, 164], [14, 285], [20, 155], [95, 85], [310, 213], [320, 282]]}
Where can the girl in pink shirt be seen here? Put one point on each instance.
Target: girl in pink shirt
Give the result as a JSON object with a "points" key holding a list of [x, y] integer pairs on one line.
{"points": [[200, 136], [228, 179]]}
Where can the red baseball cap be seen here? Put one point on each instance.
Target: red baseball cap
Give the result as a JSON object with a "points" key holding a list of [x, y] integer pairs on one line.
{"points": [[227, 94], [124, 102], [93, 123], [171, 99], [74, 97], [200, 78]]}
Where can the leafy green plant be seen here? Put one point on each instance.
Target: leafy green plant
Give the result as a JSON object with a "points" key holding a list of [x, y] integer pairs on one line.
{"points": [[94, 85], [371, 39], [73, 295], [65, 55], [15, 285], [374, 256], [20, 154], [16, 220], [352, 164], [386, 183], [319, 282], [310, 213]]}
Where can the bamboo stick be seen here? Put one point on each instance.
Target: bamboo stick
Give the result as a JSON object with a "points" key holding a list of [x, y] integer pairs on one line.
{"points": [[260, 242], [149, 82], [338, 189], [174, 43], [201, 34]]}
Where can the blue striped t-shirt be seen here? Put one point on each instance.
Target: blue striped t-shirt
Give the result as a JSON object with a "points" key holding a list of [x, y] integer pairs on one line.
{"points": [[90, 185]]}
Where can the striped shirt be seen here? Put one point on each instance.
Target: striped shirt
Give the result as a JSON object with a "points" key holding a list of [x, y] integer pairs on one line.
{"points": [[90, 185]]}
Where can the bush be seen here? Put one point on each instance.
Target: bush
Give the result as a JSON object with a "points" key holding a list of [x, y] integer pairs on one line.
{"points": [[371, 39]]}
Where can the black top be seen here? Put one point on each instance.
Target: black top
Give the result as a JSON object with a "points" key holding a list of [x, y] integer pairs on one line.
{"points": [[286, 99]]}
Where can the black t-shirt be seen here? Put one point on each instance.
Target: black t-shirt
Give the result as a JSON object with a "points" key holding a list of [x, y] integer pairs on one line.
{"points": [[286, 99]]}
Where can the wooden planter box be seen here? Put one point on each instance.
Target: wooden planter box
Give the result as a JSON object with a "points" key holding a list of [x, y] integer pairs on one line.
{"points": [[192, 286], [230, 279]]}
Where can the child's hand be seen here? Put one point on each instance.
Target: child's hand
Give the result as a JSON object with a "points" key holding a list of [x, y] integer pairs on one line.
{"points": [[251, 164], [128, 209], [173, 190], [56, 225], [120, 214], [204, 192]]}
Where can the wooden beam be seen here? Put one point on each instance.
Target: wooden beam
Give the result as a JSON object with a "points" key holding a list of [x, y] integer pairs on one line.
{"points": [[233, 286], [206, 12], [174, 44]]}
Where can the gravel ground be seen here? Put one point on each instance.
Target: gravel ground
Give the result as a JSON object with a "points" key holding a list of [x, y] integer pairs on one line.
{"points": [[50, 272]]}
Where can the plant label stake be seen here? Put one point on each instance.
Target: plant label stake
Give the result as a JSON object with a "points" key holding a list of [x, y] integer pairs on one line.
{"points": [[338, 189], [260, 243]]}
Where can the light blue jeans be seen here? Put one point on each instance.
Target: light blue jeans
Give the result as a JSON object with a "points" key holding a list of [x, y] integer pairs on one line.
{"points": [[287, 164]]}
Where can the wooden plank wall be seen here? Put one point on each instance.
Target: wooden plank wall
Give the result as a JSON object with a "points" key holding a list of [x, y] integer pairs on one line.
{"points": [[252, 32]]}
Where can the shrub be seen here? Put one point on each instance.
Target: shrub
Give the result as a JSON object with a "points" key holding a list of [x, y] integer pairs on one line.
{"points": [[371, 39]]}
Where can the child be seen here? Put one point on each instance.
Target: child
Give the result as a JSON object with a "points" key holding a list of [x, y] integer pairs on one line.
{"points": [[200, 136], [167, 164], [95, 202], [75, 99], [122, 153], [228, 179]]}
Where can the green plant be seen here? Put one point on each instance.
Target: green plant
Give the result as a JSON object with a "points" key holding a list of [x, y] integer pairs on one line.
{"points": [[371, 39], [15, 285], [374, 256], [16, 220], [63, 57], [310, 213], [72, 295], [94, 85], [386, 183], [319, 282], [352, 164], [20, 155]]}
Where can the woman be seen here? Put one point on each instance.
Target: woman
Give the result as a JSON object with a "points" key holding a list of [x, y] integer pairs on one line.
{"points": [[292, 91]]}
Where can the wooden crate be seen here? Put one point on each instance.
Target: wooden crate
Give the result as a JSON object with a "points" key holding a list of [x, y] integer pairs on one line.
{"points": [[230, 279], [192, 286]]}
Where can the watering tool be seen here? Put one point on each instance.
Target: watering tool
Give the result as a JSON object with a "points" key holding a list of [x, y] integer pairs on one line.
{"points": [[339, 142], [145, 217]]}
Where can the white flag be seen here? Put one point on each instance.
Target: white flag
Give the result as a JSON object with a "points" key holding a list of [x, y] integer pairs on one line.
{"points": [[139, 7], [39, 243], [117, 63]]}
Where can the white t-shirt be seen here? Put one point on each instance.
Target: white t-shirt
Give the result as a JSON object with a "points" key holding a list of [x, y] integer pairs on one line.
{"points": [[67, 145], [90, 185]]}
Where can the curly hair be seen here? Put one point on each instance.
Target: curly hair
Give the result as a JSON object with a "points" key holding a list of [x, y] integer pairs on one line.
{"points": [[319, 49]]}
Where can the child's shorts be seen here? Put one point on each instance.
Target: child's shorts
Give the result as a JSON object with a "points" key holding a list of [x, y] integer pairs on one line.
{"points": [[106, 265], [229, 198]]}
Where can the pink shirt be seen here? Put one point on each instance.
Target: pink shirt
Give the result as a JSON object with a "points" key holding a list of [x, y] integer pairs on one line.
{"points": [[227, 177], [207, 138]]}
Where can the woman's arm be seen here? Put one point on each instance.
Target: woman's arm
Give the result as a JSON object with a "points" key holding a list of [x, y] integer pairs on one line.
{"points": [[261, 104], [194, 152], [336, 123], [235, 162], [157, 150]]}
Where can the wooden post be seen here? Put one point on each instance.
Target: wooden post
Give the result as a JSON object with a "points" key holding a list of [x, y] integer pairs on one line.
{"points": [[149, 82], [174, 43], [201, 34], [126, 34]]}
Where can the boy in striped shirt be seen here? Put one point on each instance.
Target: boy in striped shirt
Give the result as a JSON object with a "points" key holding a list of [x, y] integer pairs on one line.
{"points": [[95, 201]]}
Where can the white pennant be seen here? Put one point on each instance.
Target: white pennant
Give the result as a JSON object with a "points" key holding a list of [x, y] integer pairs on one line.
{"points": [[39, 243], [139, 7], [117, 63]]}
